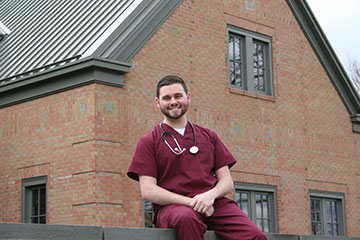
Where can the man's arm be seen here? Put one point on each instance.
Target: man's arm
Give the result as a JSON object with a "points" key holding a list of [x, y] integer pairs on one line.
{"points": [[203, 202], [152, 192]]}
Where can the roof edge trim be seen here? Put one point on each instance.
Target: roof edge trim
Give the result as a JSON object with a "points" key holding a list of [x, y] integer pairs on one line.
{"points": [[85, 71], [355, 120], [327, 57]]}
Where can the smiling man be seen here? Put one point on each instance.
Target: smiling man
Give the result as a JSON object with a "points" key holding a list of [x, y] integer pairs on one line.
{"points": [[183, 169]]}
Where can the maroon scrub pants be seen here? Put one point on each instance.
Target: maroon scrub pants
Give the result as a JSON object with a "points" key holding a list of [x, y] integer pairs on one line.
{"points": [[228, 221]]}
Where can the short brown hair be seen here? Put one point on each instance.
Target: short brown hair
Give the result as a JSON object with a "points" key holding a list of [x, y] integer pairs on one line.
{"points": [[169, 80]]}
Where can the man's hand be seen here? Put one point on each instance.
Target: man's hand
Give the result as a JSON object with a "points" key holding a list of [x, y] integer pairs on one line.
{"points": [[209, 212], [203, 203]]}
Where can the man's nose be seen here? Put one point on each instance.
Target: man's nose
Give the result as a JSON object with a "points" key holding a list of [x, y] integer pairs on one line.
{"points": [[173, 101]]}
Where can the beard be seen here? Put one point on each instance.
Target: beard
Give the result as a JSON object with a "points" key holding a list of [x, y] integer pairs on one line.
{"points": [[175, 116]]}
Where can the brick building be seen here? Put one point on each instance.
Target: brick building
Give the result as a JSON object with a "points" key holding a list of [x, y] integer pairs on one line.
{"points": [[77, 90]]}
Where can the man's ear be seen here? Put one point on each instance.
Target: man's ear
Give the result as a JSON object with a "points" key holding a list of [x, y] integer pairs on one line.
{"points": [[157, 102], [188, 97]]}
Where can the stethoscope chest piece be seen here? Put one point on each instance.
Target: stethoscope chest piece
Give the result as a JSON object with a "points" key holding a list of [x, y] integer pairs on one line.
{"points": [[194, 150]]}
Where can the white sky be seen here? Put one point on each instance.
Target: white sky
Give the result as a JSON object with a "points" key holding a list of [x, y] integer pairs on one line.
{"points": [[340, 19]]}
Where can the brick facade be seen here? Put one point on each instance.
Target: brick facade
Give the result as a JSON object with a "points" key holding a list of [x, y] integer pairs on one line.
{"points": [[83, 139]]}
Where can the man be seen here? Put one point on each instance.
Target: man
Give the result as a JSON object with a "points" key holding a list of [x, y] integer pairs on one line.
{"points": [[187, 184]]}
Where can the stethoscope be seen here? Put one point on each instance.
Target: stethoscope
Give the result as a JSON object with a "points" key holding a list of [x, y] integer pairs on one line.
{"points": [[194, 149]]}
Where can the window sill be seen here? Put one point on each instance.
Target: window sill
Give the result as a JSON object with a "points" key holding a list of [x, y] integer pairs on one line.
{"points": [[251, 94]]}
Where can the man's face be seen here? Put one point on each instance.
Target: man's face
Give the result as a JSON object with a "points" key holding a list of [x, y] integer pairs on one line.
{"points": [[173, 101]]}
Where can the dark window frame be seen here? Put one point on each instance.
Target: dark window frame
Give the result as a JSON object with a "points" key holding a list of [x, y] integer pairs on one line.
{"points": [[325, 196], [248, 38], [28, 185], [253, 189]]}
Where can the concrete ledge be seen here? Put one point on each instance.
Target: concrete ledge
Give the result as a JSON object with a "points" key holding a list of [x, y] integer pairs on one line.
{"points": [[23, 231], [146, 233], [274, 236], [306, 237]]}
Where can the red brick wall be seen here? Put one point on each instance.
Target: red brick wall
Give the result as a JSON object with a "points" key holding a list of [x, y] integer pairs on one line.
{"points": [[300, 139]]}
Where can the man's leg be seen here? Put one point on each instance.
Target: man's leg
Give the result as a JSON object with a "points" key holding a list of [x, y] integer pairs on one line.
{"points": [[229, 222], [186, 222]]}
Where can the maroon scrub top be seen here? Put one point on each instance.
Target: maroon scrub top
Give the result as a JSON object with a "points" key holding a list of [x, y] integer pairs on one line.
{"points": [[186, 174]]}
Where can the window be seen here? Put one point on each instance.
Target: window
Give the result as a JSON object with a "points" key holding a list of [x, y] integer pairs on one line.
{"points": [[249, 59], [258, 202], [34, 200], [148, 214], [327, 213]]}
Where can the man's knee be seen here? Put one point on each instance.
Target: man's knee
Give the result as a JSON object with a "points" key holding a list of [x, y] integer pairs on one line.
{"points": [[186, 216]]}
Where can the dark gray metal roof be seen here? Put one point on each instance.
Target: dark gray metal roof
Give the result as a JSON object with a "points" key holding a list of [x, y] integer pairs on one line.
{"points": [[45, 34]]}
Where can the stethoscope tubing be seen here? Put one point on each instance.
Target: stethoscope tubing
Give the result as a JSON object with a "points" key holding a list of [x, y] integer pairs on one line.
{"points": [[178, 149]]}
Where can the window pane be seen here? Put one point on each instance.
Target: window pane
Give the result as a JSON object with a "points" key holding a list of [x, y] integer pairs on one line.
{"points": [[42, 201], [148, 220], [237, 52], [35, 202], [231, 58], [265, 206], [237, 197], [34, 220], [258, 206], [235, 61], [328, 211], [317, 210], [237, 55], [313, 229], [266, 226], [148, 206], [330, 232], [331, 215], [262, 211], [42, 220], [245, 203], [259, 224], [259, 65], [148, 214], [318, 229], [334, 212], [315, 217], [231, 48], [335, 230], [242, 199], [244, 196], [245, 208]]}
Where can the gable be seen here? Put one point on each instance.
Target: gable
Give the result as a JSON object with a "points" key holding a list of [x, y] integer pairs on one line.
{"points": [[328, 59]]}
